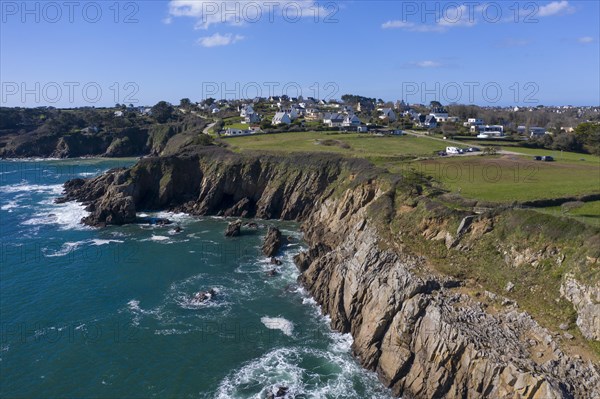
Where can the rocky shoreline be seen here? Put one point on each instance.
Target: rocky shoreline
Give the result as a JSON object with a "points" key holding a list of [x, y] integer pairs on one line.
{"points": [[419, 330]]}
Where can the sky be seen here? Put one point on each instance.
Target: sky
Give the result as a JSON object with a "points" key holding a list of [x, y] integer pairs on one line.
{"points": [[98, 53]]}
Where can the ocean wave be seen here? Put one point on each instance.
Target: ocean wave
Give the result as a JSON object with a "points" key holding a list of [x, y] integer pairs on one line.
{"points": [[65, 249], [24, 186], [278, 323], [330, 376]]}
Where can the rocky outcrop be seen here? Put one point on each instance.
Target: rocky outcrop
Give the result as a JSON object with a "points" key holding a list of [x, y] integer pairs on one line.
{"points": [[586, 300], [234, 229], [272, 242], [424, 336]]}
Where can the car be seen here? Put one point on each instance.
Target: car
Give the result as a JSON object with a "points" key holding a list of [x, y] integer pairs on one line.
{"points": [[473, 149], [537, 158], [442, 153], [547, 158]]}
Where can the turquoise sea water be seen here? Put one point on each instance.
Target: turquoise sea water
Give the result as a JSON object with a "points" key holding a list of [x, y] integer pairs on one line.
{"points": [[109, 313]]}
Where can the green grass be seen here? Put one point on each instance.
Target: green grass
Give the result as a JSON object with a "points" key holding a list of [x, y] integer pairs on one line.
{"points": [[512, 178], [502, 179], [588, 213], [241, 126], [374, 148]]}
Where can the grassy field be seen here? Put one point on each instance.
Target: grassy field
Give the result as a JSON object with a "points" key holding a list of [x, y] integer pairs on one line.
{"points": [[510, 178], [505, 178], [375, 148], [242, 126], [588, 213]]}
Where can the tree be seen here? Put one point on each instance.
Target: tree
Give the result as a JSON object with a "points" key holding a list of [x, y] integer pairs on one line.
{"points": [[185, 103], [589, 134], [435, 104], [162, 111], [567, 142]]}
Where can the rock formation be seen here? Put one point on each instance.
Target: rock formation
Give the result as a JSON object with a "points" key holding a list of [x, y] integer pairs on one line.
{"points": [[272, 242], [422, 334]]}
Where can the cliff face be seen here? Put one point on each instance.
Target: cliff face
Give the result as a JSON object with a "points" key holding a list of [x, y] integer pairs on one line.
{"points": [[423, 334], [424, 337]]}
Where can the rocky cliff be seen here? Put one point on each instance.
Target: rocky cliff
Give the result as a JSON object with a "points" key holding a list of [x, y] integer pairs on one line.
{"points": [[425, 333]]}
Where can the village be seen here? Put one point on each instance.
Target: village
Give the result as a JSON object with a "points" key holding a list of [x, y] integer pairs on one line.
{"points": [[356, 114]]}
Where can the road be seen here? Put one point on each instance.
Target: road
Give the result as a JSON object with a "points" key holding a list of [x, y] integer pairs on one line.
{"points": [[207, 128], [458, 144]]}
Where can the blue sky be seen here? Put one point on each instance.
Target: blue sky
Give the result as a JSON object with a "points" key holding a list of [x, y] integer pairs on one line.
{"points": [[488, 53]]}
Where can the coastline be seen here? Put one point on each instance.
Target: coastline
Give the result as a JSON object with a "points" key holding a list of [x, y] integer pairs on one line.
{"points": [[399, 316]]}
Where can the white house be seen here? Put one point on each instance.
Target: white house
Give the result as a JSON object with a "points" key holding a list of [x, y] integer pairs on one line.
{"points": [[351, 120], [537, 132], [488, 131], [333, 119], [246, 110], [440, 116], [473, 122], [237, 132], [427, 121], [389, 114], [292, 113], [252, 118], [281, 117]]}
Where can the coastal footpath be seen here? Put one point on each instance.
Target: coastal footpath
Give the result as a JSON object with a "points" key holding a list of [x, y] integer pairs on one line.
{"points": [[389, 260]]}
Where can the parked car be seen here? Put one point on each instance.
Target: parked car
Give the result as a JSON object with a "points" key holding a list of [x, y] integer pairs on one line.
{"points": [[537, 158], [547, 158], [442, 153], [454, 150], [473, 149]]}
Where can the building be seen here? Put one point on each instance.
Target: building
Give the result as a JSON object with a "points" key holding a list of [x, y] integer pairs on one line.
{"points": [[252, 118], [333, 119], [389, 114], [427, 121], [473, 122], [281, 118], [488, 131], [351, 120]]}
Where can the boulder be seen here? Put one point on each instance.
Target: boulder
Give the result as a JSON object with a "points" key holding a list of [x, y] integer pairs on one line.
{"points": [[272, 242], [233, 229]]}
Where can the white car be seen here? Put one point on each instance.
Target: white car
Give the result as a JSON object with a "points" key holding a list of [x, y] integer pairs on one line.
{"points": [[454, 150]]}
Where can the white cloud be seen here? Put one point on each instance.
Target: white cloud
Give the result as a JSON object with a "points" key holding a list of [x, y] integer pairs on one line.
{"points": [[236, 12], [217, 40], [586, 39], [555, 8], [426, 64]]}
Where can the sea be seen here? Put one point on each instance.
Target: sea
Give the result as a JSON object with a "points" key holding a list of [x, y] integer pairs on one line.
{"points": [[115, 312]]}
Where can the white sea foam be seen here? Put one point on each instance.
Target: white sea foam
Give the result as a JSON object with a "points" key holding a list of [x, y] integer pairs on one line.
{"points": [[65, 249], [99, 242], [158, 238], [36, 188], [278, 323], [336, 376], [9, 206]]}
